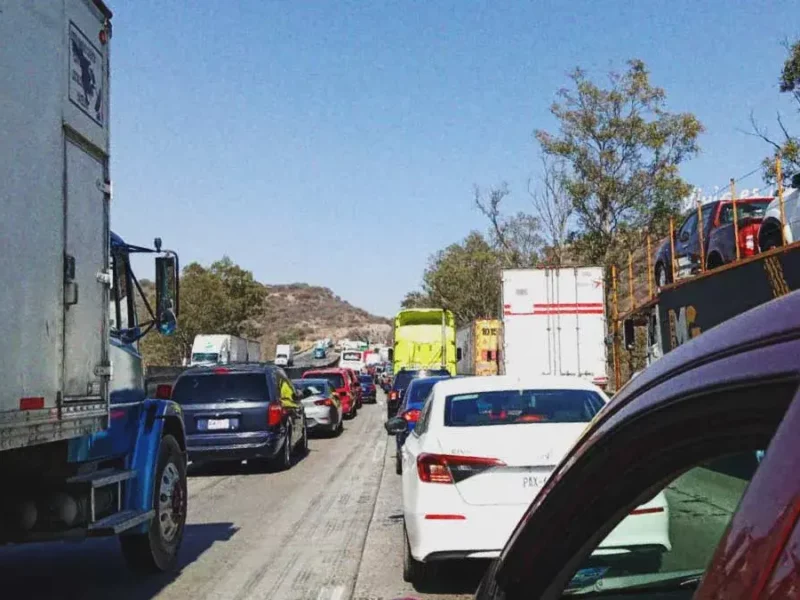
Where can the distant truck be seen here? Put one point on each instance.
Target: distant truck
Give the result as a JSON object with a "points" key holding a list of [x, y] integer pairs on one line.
{"points": [[284, 355], [223, 349], [424, 338], [554, 323], [479, 347], [352, 359], [83, 451]]}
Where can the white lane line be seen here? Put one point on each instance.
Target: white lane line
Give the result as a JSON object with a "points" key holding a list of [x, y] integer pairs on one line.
{"points": [[337, 592]]}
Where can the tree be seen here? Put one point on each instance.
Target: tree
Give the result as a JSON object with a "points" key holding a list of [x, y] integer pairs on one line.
{"points": [[553, 209], [516, 237], [223, 298], [463, 278], [789, 147], [620, 149]]}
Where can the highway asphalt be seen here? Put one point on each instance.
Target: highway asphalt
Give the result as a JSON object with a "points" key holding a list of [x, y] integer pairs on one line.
{"points": [[330, 528]]}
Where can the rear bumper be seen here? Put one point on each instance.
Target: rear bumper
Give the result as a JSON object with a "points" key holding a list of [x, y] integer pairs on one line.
{"points": [[482, 532], [233, 446]]}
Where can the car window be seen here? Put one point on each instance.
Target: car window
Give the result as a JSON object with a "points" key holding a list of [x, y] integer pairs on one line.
{"points": [[503, 407], [689, 226], [672, 535], [417, 392], [335, 379], [663, 489], [743, 210], [354, 356], [210, 388], [424, 417]]}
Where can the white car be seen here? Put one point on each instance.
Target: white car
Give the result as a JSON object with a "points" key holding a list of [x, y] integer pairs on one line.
{"points": [[769, 234], [321, 405], [481, 450]]}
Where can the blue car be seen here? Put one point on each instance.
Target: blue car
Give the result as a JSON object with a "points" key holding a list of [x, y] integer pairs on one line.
{"points": [[410, 408], [368, 390], [319, 352]]}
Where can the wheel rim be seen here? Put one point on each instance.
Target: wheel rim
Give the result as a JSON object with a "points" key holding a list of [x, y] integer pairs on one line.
{"points": [[170, 502]]}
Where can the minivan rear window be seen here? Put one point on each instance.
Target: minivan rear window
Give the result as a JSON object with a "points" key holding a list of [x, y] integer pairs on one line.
{"points": [[505, 407], [211, 388]]}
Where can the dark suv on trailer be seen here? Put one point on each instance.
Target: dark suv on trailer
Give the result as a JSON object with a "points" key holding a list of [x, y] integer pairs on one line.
{"points": [[241, 412], [401, 380]]}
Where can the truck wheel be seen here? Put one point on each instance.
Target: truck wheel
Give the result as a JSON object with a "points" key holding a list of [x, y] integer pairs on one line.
{"points": [[771, 239], [157, 550]]}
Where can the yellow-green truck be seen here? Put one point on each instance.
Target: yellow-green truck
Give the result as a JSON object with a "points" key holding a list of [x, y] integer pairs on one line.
{"points": [[424, 338]]}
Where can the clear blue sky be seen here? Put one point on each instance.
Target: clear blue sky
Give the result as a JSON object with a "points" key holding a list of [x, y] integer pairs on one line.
{"points": [[337, 143]]}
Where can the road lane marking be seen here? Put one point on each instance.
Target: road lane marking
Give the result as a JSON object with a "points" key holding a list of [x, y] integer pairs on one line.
{"points": [[379, 451], [337, 592]]}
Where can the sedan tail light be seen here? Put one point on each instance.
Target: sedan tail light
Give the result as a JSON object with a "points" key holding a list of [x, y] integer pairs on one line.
{"points": [[324, 402], [274, 414], [412, 416], [448, 468]]}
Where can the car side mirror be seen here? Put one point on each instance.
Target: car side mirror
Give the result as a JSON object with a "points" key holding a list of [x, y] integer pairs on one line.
{"points": [[458, 353], [391, 354], [164, 391], [629, 334], [167, 293], [396, 426]]}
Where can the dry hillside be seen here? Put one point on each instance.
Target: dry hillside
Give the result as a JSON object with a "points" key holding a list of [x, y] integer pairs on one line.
{"points": [[299, 312]]}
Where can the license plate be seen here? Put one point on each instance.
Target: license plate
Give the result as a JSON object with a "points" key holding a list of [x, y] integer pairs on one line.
{"points": [[533, 481], [219, 424]]}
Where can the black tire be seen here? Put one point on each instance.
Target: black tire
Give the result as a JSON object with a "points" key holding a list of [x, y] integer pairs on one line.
{"points": [[647, 562], [302, 447], [414, 572], [398, 464], [714, 261], [771, 239], [157, 550], [283, 461]]}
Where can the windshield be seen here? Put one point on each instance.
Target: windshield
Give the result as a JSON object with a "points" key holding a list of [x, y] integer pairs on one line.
{"points": [[352, 356], [205, 357], [211, 388], [335, 379], [743, 210], [521, 406], [403, 378]]}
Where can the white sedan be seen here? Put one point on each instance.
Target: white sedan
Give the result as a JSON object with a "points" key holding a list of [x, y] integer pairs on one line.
{"points": [[481, 450]]}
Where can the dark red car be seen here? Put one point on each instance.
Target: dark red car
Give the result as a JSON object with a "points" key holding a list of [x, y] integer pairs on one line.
{"points": [[340, 379], [715, 425]]}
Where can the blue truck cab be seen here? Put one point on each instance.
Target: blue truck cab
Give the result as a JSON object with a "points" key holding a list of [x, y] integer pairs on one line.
{"points": [[319, 353]]}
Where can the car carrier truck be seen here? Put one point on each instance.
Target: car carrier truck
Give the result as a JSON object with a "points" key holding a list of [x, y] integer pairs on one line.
{"points": [[685, 309], [83, 451]]}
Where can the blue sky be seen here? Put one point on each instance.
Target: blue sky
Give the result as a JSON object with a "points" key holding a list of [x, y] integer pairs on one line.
{"points": [[337, 143]]}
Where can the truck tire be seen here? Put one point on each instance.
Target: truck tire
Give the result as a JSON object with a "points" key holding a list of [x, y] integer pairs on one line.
{"points": [[157, 550]]}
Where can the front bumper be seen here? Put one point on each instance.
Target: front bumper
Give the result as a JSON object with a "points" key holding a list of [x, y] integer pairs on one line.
{"points": [[233, 446]]}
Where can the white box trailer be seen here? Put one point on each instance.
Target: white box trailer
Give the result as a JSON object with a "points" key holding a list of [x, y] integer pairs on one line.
{"points": [[54, 220], [554, 322], [222, 349]]}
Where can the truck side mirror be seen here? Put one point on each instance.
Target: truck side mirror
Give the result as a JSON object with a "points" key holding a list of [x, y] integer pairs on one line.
{"points": [[167, 300], [391, 354], [628, 334], [458, 353]]}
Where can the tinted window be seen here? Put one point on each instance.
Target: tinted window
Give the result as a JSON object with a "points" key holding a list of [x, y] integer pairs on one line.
{"points": [[335, 379], [743, 210], [207, 389], [418, 391], [521, 406], [321, 384], [403, 378], [356, 356], [205, 357]]}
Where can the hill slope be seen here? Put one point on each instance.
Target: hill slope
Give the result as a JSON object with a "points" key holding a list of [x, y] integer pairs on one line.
{"points": [[299, 312]]}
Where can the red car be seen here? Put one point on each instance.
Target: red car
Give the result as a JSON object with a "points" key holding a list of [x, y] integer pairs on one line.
{"points": [[715, 426], [342, 382], [355, 382]]}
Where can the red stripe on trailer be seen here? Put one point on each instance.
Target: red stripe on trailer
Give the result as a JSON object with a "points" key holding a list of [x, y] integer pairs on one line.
{"points": [[570, 305], [569, 311]]}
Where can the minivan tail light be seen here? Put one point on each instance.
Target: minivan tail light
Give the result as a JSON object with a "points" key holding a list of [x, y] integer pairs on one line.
{"points": [[747, 239], [274, 414], [449, 468]]}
